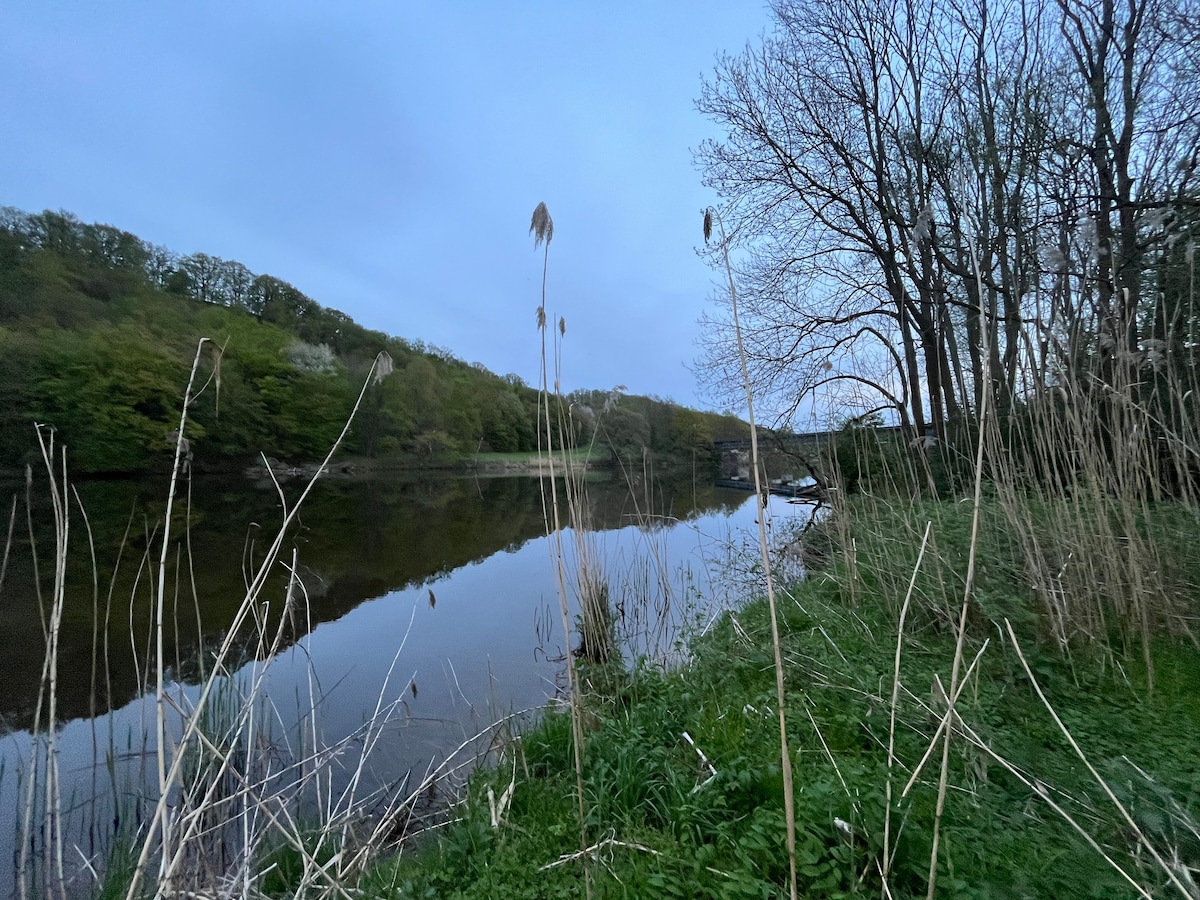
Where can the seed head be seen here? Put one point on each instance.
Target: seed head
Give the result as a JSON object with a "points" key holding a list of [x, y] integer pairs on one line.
{"points": [[562, 326], [707, 225], [541, 318], [384, 366], [541, 226]]}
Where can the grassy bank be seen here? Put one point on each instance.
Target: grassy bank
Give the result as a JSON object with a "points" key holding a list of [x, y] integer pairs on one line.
{"points": [[683, 786], [533, 463]]}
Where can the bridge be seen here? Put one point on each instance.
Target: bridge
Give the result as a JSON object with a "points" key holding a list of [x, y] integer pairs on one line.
{"points": [[786, 459], [795, 442]]}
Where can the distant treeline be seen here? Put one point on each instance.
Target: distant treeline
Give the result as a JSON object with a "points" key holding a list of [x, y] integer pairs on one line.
{"points": [[98, 329]]}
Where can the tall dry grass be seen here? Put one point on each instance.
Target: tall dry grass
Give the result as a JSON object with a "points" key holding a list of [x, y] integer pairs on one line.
{"points": [[231, 787], [44, 776], [1082, 492], [542, 228], [1066, 492]]}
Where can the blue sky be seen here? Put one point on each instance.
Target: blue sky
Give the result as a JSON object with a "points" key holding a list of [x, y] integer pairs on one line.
{"points": [[385, 158]]}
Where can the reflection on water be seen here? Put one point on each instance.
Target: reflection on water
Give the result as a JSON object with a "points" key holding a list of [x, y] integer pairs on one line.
{"points": [[432, 594], [356, 539]]}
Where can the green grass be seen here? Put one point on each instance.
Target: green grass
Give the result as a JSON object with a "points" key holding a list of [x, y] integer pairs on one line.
{"points": [[666, 837]]}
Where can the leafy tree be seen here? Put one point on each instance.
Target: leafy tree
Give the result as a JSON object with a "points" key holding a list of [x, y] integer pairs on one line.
{"points": [[110, 394], [506, 427], [461, 414], [690, 430], [18, 355], [381, 423], [625, 432]]}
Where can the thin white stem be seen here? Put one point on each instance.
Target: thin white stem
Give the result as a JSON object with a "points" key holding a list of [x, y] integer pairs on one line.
{"points": [[969, 586], [239, 618], [557, 544], [160, 704], [1129, 820], [789, 803]]}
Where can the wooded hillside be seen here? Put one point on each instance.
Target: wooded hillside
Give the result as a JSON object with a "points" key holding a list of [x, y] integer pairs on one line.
{"points": [[98, 329]]}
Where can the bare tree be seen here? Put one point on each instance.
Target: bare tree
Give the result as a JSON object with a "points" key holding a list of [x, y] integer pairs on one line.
{"points": [[833, 129], [916, 187]]}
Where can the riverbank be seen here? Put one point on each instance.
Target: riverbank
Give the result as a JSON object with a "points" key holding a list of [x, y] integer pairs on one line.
{"points": [[682, 785]]}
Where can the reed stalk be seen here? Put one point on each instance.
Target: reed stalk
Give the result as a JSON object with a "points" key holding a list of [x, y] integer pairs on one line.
{"points": [[789, 800], [891, 752], [968, 590], [192, 735], [1128, 819], [213, 761], [160, 702], [542, 228]]}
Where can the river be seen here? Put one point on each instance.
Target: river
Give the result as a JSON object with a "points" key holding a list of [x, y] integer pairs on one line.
{"points": [[433, 597]]}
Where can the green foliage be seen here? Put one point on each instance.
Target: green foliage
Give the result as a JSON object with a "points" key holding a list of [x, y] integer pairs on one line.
{"points": [[505, 421], [284, 866], [98, 330], [118, 869], [638, 430], [110, 394]]}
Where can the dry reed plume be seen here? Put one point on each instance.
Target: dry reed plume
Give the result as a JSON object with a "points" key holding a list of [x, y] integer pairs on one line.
{"points": [[542, 228]]}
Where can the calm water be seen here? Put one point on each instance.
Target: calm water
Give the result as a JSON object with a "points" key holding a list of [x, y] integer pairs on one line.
{"points": [[448, 584]]}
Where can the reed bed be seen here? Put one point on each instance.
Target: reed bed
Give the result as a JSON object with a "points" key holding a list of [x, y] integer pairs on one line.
{"points": [[215, 793]]}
